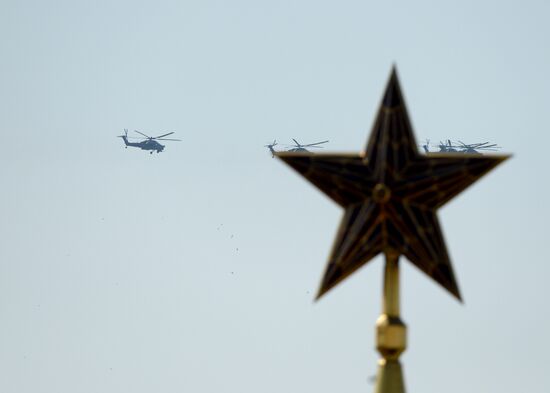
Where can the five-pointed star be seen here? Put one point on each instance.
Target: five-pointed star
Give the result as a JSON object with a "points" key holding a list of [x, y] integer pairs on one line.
{"points": [[390, 195]]}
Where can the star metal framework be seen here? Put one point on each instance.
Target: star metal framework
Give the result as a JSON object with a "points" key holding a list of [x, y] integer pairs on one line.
{"points": [[390, 194]]}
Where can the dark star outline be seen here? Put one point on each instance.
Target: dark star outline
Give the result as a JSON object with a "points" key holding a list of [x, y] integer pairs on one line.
{"points": [[390, 194]]}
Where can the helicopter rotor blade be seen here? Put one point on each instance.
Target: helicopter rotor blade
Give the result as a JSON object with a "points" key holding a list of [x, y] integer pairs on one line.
{"points": [[295, 141], [493, 145], [478, 144], [316, 143], [141, 133], [488, 146], [162, 136], [176, 140], [132, 137]]}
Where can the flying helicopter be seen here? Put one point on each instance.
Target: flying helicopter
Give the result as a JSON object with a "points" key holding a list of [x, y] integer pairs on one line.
{"points": [[149, 142], [461, 147], [298, 147]]}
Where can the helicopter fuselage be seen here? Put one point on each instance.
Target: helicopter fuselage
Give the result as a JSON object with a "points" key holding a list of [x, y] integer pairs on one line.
{"points": [[298, 149], [148, 144]]}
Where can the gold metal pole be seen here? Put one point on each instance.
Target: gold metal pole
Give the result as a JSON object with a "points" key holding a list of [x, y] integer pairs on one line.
{"points": [[391, 332]]}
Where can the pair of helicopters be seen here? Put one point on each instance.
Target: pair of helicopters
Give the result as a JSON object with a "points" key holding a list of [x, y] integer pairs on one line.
{"points": [[148, 142], [461, 147], [444, 147], [297, 147]]}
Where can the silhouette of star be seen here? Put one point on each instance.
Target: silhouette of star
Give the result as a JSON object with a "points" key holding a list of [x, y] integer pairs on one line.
{"points": [[390, 194]]}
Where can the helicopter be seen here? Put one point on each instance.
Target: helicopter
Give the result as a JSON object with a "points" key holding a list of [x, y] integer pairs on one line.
{"points": [[150, 143], [461, 147], [298, 147]]}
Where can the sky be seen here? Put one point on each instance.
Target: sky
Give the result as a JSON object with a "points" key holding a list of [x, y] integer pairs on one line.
{"points": [[195, 269]]}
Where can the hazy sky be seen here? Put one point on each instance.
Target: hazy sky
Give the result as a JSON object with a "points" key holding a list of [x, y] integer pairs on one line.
{"points": [[194, 270]]}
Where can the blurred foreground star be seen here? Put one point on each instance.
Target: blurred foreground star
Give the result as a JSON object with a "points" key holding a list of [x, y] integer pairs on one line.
{"points": [[390, 194]]}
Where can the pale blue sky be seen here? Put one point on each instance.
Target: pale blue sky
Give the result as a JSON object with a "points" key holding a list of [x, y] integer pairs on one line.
{"points": [[194, 270]]}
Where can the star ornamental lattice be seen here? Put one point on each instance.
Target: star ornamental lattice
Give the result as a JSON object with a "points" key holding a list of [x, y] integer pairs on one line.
{"points": [[390, 194]]}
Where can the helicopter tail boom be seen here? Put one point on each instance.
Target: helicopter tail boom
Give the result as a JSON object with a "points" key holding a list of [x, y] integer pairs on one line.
{"points": [[125, 139]]}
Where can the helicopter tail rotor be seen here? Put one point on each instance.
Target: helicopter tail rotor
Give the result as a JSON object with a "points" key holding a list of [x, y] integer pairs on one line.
{"points": [[426, 146], [270, 147], [124, 137], [272, 144]]}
